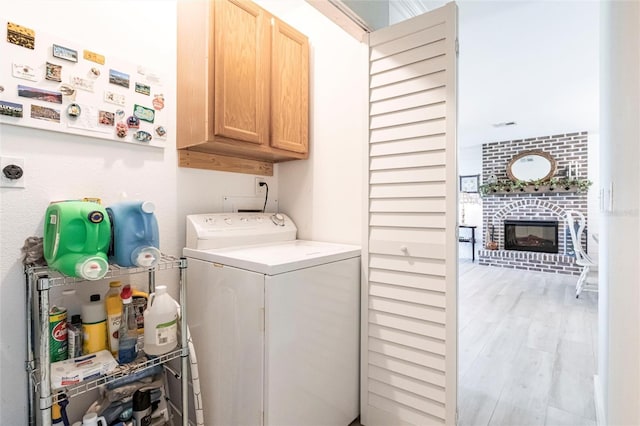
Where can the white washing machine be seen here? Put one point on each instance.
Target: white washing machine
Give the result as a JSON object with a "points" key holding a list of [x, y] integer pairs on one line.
{"points": [[275, 322]]}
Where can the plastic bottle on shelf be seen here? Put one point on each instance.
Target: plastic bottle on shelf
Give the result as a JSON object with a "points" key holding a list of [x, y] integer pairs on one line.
{"points": [[94, 326], [139, 306], [76, 239], [71, 302], [160, 323], [135, 235], [56, 415], [142, 407], [113, 304], [74, 336], [128, 333], [73, 305]]}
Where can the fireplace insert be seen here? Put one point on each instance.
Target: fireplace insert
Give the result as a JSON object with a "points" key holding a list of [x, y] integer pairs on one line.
{"points": [[531, 235]]}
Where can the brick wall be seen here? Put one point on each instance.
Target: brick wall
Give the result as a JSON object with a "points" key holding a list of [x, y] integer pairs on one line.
{"points": [[565, 148]]}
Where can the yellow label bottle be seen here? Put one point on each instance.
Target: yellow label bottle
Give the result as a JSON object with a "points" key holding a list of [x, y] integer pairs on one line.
{"points": [[113, 304], [94, 326]]}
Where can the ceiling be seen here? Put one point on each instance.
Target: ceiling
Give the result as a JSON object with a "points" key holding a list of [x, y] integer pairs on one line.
{"points": [[535, 63]]}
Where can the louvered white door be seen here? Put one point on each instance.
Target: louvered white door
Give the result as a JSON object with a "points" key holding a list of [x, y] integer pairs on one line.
{"points": [[409, 353]]}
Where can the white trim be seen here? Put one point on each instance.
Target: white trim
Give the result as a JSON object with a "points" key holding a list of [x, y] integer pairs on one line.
{"points": [[599, 401], [364, 289], [340, 18]]}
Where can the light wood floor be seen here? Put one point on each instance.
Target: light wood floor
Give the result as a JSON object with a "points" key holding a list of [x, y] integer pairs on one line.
{"points": [[527, 348]]}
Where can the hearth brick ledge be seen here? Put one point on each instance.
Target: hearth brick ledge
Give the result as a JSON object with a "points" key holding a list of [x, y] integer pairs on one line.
{"points": [[531, 261]]}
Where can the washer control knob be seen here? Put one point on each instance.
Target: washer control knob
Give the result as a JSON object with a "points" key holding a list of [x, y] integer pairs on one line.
{"points": [[278, 219], [228, 220]]}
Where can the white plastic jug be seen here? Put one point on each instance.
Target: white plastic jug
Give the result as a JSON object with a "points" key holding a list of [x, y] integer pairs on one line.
{"points": [[160, 323], [92, 419]]}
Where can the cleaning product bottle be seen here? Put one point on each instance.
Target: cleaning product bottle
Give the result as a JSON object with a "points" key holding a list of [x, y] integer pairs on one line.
{"points": [[160, 323], [56, 415], [94, 326], [113, 304], [135, 236], [142, 408], [73, 305], [139, 306], [128, 333], [74, 336], [92, 419], [58, 349], [76, 238]]}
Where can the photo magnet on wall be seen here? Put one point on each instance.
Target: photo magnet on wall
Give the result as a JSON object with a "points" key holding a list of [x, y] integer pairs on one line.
{"points": [[93, 57], [21, 36], [82, 83], [143, 88], [39, 94], [143, 113], [65, 53], [107, 118], [44, 113], [119, 78], [54, 72], [24, 72], [158, 102], [10, 109], [68, 91], [114, 98], [161, 131]]}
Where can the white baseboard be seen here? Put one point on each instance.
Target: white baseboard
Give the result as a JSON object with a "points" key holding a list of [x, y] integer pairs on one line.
{"points": [[599, 402]]}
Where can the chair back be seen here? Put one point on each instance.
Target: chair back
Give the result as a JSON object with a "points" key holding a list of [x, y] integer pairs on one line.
{"points": [[572, 217]]}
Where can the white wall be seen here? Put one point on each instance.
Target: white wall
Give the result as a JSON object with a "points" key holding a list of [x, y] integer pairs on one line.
{"points": [[619, 297], [324, 194], [470, 163], [593, 196]]}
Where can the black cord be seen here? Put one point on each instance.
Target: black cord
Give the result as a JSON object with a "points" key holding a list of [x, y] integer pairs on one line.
{"points": [[266, 196]]}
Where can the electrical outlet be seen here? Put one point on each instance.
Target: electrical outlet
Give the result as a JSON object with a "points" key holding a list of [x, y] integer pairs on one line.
{"points": [[12, 167], [260, 190]]}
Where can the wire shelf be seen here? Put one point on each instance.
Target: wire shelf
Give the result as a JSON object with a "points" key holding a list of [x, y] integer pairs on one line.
{"points": [[120, 371], [58, 279]]}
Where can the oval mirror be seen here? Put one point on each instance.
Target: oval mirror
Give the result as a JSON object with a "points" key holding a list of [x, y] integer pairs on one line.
{"points": [[531, 165]]}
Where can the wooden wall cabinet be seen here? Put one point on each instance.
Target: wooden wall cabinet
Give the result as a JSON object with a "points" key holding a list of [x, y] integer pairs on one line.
{"points": [[243, 87]]}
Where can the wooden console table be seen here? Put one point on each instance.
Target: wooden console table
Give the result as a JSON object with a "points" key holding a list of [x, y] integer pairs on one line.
{"points": [[471, 239]]}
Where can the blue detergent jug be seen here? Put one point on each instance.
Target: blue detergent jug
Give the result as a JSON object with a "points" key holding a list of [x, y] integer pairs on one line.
{"points": [[134, 238], [76, 238]]}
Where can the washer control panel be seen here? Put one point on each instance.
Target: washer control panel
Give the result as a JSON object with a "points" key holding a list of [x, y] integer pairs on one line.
{"points": [[219, 230]]}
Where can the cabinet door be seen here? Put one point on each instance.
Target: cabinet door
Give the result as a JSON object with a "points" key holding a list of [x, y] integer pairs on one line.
{"points": [[242, 52], [289, 88]]}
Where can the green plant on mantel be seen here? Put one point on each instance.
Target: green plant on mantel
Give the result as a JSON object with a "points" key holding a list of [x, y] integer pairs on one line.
{"points": [[562, 184]]}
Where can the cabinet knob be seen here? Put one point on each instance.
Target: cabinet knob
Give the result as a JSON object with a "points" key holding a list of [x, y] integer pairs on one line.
{"points": [[404, 249]]}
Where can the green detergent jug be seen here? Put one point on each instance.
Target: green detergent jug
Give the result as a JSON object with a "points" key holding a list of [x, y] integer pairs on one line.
{"points": [[76, 238]]}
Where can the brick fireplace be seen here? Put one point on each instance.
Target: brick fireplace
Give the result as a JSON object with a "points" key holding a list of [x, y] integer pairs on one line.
{"points": [[545, 207]]}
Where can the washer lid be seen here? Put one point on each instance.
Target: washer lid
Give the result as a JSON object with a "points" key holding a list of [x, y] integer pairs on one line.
{"points": [[277, 258]]}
